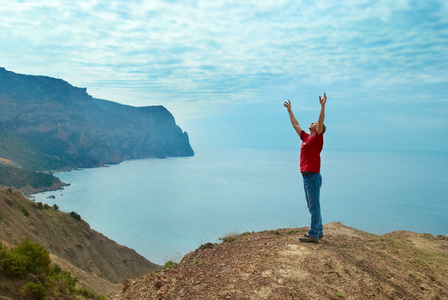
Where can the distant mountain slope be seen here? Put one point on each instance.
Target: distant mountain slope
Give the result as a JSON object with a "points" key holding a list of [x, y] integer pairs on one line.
{"points": [[28, 181], [104, 262], [48, 124]]}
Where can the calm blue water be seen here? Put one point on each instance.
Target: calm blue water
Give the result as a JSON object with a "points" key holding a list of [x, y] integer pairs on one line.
{"points": [[165, 208]]}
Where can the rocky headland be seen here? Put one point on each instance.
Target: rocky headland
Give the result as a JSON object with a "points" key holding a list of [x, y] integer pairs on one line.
{"points": [[48, 125]]}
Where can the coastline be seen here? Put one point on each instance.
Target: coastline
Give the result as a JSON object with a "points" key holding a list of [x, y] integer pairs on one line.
{"points": [[28, 190]]}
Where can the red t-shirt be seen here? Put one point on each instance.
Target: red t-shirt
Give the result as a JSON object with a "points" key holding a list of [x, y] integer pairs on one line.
{"points": [[310, 152]]}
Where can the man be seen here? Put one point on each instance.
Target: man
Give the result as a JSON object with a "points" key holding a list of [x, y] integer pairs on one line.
{"points": [[310, 149]]}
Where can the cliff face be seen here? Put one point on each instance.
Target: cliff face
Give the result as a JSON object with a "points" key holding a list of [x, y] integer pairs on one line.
{"points": [[71, 242], [143, 130], [47, 124], [346, 264]]}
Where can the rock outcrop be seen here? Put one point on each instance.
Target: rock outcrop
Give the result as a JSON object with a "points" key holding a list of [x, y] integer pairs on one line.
{"points": [[346, 264]]}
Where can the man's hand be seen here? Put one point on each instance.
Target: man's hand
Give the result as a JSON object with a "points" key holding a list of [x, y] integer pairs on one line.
{"points": [[323, 100], [287, 104], [320, 122], [294, 122]]}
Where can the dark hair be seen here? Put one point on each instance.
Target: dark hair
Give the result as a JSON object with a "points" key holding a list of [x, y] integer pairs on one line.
{"points": [[325, 128]]}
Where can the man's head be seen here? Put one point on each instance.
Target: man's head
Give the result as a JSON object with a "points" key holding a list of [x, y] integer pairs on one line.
{"points": [[313, 128]]}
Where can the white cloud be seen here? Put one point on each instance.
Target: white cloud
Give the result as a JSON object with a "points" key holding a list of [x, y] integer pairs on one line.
{"points": [[176, 40], [179, 53]]}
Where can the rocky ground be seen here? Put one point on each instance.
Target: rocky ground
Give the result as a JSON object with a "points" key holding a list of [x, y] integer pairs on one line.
{"points": [[346, 264]]}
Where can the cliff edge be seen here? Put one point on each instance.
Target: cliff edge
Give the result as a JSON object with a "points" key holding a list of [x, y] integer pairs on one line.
{"points": [[346, 264]]}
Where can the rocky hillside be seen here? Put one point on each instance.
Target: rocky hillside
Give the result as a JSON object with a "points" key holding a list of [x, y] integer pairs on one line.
{"points": [[99, 262], [346, 264], [27, 181], [47, 124]]}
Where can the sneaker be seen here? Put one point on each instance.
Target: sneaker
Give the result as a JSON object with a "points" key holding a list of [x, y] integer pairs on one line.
{"points": [[309, 239], [321, 236]]}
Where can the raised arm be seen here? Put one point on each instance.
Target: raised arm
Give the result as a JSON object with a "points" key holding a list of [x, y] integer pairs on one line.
{"points": [[294, 122], [320, 122]]}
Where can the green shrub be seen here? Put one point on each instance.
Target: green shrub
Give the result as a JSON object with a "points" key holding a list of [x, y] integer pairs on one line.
{"points": [[56, 274], [13, 264], [55, 207], [25, 212], [170, 265], [32, 258], [40, 205], [277, 232], [75, 216], [89, 294], [54, 270], [195, 263], [37, 258], [428, 236], [34, 290], [25, 258], [85, 292], [46, 206], [231, 237]]}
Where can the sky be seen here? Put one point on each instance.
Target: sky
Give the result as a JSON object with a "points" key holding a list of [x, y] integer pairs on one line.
{"points": [[224, 68]]}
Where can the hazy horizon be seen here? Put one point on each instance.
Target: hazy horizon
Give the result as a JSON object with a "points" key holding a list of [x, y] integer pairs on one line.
{"points": [[224, 68]]}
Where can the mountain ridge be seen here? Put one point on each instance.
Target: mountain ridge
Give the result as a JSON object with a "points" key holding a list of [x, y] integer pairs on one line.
{"points": [[48, 125]]}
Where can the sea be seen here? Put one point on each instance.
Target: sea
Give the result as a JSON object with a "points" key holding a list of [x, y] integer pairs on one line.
{"points": [[165, 208]]}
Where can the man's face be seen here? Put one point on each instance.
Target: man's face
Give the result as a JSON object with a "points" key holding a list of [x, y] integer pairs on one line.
{"points": [[313, 126]]}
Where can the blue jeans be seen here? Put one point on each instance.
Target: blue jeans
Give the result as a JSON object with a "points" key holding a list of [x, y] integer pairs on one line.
{"points": [[312, 183]]}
